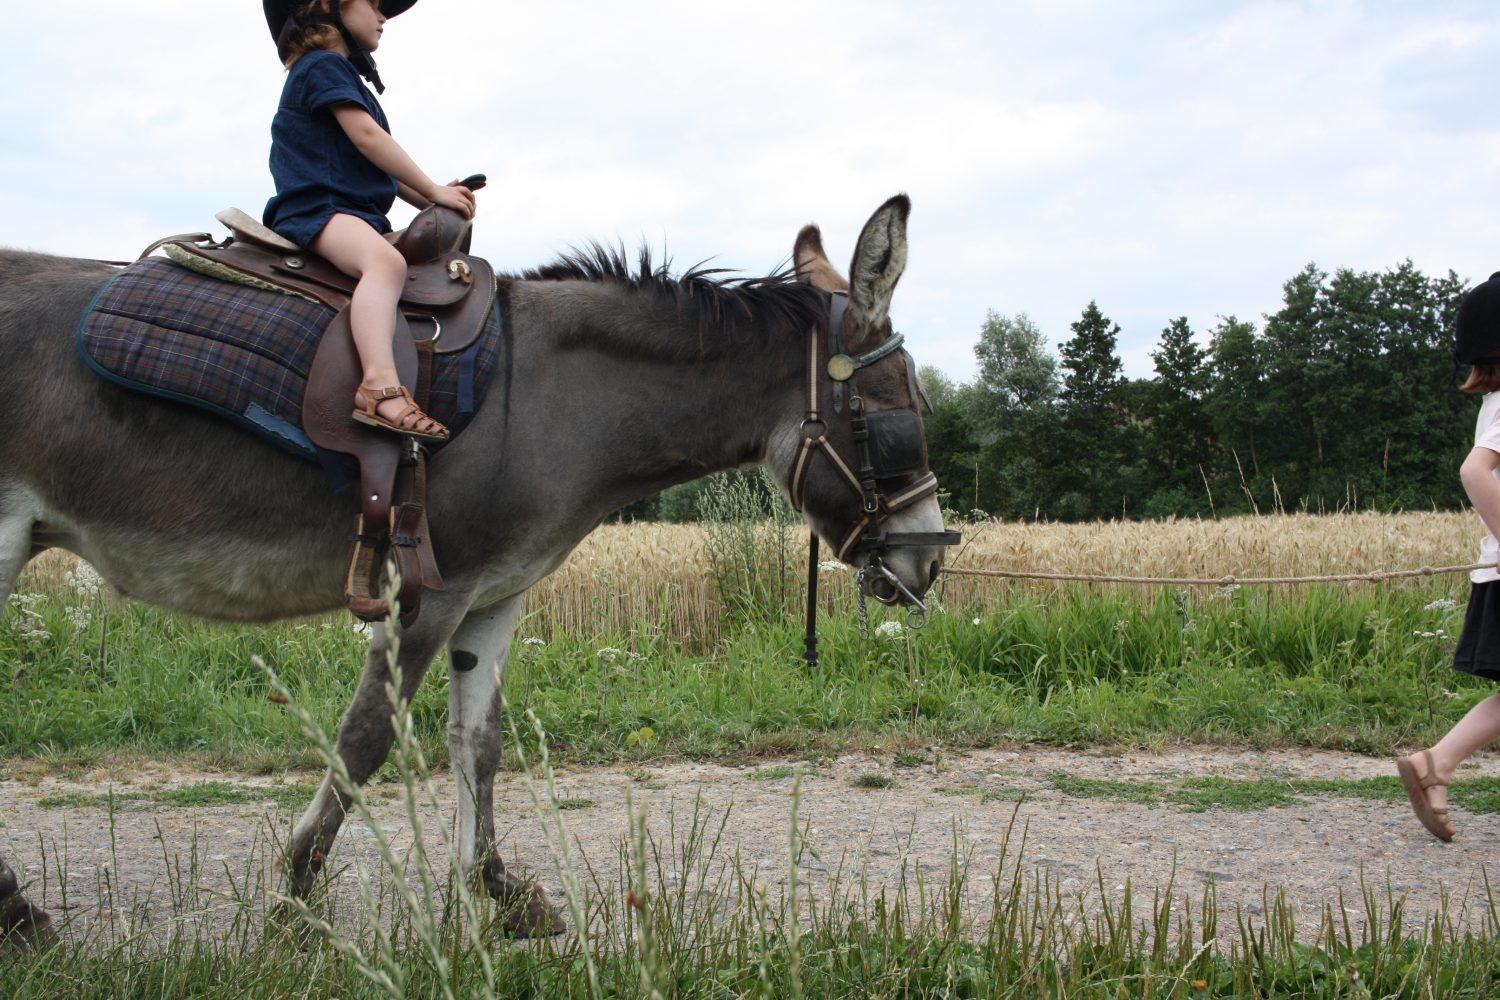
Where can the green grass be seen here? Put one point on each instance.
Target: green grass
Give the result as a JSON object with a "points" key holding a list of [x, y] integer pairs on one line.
{"points": [[203, 795], [1142, 792], [872, 780], [682, 919], [1325, 667]]}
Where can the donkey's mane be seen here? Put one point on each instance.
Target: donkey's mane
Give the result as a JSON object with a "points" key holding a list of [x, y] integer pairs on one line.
{"points": [[720, 297]]}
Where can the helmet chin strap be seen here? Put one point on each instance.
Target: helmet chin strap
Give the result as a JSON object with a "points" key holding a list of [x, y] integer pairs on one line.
{"points": [[364, 62]]}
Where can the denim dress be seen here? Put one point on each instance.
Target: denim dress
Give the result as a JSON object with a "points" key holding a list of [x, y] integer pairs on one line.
{"points": [[318, 171]]}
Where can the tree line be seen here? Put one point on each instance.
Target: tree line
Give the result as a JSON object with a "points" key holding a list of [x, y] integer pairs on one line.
{"points": [[1344, 398]]}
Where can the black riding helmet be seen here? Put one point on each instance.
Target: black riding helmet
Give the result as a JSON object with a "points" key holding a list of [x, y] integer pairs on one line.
{"points": [[282, 20], [1478, 325]]}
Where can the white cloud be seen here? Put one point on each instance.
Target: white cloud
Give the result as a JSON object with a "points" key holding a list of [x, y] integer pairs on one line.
{"points": [[1160, 159]]}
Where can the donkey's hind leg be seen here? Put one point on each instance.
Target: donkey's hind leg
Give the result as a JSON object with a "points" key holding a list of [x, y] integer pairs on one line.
{"points": [[476, 666], [16, 544], [19, 919]]}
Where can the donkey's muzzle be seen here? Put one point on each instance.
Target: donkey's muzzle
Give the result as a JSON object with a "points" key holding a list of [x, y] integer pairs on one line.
{"points": [[881, 582]]}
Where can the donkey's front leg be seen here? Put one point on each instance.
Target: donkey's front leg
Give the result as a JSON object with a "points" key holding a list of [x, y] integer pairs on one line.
{"points": [[476, 666], [364, 741], [19, 919]]}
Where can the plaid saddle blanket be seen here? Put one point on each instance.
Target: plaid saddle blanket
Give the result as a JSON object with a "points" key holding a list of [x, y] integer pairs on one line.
{"points": [[241, 352]]}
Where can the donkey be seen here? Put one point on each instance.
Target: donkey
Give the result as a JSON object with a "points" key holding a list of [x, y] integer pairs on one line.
{"points": [[617, 384]]}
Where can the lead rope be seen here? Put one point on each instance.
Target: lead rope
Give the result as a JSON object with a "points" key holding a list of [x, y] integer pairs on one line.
{"points": [[810, 643]]}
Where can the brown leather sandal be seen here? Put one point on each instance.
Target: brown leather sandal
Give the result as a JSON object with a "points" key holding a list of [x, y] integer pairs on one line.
{"points": [[1435, 820], [411, 421]]}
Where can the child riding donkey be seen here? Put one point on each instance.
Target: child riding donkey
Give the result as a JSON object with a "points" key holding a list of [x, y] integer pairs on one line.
{"points": [[338, 171]]}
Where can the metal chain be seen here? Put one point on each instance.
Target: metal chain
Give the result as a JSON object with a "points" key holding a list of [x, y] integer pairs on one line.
{"points": [[862, 613], [916, 615]]}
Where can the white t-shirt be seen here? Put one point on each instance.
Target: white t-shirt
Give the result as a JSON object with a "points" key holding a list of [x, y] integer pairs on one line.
{"points": [[1487, 435]]}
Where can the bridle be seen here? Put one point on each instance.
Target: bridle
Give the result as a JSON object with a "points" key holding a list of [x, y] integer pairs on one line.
{"points": [[889, 445]]}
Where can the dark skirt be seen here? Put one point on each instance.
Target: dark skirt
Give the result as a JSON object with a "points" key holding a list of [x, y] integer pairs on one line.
{"points": [[1478, 650]]}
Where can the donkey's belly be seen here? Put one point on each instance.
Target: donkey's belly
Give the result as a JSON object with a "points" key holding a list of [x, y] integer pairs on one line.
{"points": [[215, 577]]}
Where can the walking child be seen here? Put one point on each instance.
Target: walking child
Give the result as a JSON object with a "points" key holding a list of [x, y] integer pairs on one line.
{"points": [[1426, 773], [338, 171]]}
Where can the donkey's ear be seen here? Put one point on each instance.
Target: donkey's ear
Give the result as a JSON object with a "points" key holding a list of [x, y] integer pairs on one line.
{"points": [[879, 259], [813, 265]]}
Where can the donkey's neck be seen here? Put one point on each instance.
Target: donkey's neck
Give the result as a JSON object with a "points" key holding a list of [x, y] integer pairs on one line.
{"points": [[661, 392]]}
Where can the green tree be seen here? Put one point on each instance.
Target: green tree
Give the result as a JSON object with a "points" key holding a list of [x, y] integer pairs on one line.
{"points": [[1014, 411], [1091, 453], [1233, 409], [1179, 434], [1292, 449]]}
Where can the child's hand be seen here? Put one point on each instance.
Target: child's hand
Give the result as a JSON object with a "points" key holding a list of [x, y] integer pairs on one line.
{"points": [[456, 197]]}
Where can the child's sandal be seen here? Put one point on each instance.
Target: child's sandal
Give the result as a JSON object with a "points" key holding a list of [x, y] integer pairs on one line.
{"points": [[411, 421], [1435, 820]]}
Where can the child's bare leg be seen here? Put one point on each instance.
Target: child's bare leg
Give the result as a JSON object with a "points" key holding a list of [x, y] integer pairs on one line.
{"points": [[1478, 728], [354, 247]]}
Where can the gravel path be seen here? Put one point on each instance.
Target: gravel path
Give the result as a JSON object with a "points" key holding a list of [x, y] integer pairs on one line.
{"points": [[1311, 850]]}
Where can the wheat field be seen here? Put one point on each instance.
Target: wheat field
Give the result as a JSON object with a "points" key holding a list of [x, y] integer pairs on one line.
{"points": [[655, 578], [625, 575]]}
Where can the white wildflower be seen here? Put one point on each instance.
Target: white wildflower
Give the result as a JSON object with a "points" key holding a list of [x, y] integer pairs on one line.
{"points": [[889, 630], [831, 566], [84, 580], [79, 618], [1441, 604], [1224, 593], [976, 621], [24, 601], [610, 654], [1121, 626], [1436, 634], [31, 628], [532, 640]]}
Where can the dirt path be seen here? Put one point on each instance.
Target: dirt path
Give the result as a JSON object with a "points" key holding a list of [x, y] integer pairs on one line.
{"points": [[1311, 849]]}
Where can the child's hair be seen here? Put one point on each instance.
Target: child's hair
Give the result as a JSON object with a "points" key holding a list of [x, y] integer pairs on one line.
{"points": [[314, 36], [1484, 376]]}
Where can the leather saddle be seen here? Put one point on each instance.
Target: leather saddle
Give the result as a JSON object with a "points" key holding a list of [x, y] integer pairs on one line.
{"points": [[447, 301]]}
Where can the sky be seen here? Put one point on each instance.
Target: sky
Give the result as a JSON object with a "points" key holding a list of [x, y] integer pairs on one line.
{"points": [[1162, 159]]}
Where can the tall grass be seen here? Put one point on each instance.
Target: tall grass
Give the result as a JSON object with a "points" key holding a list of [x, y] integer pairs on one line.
{"points": [[1363, 669], [681, 919], [686, 581]]}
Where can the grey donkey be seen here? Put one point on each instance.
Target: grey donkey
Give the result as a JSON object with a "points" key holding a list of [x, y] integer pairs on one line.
{"points": [[618, 382]]}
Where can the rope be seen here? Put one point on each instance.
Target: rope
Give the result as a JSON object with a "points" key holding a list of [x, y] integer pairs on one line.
{"points": [[1223, 581]]}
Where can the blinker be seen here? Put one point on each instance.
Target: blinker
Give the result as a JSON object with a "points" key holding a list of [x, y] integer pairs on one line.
{"points": [[897, 446]]}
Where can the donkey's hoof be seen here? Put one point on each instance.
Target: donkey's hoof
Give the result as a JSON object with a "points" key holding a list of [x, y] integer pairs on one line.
{"points": [[530, 914], [25, 925], [524, 909]]}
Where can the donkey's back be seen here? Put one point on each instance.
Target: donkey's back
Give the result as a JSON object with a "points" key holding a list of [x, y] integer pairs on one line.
{"points": [[170, 505]]}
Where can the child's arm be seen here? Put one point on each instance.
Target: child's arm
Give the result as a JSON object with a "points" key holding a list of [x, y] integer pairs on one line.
{"points": [[383, 151], [411, 196], [1478, 475]]}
